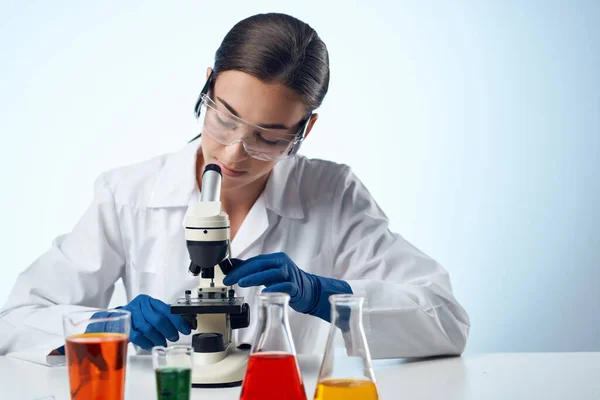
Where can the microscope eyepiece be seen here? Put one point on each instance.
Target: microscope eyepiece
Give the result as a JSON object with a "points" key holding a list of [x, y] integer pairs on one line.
{"points": [[211, 183], [212, 167]]}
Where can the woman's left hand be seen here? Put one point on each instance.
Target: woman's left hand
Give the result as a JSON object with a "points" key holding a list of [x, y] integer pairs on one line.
{"points": [[309, 293]]}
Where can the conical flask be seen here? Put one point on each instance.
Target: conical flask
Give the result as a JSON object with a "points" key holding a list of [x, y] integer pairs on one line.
{"points": [[273, 371], [346, 372]]}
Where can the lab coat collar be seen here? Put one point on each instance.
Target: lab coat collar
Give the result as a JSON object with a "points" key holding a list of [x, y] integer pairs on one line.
{"points": [[282, 192], [176, 184]]}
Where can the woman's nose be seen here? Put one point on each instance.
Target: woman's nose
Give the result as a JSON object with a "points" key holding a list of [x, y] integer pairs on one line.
{"points": [[235, 152]]}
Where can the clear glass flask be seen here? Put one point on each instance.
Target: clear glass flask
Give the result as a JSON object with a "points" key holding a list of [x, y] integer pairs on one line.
{"points": [[273, 371], [346, 372]]}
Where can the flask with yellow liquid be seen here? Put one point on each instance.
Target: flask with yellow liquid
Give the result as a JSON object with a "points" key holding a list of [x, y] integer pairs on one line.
{"points": [[346, 372]]}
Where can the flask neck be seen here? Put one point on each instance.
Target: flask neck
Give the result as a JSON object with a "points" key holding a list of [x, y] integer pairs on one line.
{"points": [[347, 318], [346, 314], [347, 353], [273, 333]]}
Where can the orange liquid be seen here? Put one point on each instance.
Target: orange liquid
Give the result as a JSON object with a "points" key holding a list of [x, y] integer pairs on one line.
{"points": [[346, 389], [272, 376], [96, 363]]}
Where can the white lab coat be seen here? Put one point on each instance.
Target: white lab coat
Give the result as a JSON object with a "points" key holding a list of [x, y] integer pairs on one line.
{"points": [[316, 211]]}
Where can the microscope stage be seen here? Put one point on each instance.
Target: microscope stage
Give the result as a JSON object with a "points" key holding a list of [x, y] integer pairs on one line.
{"points": [[208, 306]]}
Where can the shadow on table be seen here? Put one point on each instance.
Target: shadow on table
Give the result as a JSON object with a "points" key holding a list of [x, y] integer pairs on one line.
{"points": [[425, 377], [411, 360], [309, 364], [144, 361]]}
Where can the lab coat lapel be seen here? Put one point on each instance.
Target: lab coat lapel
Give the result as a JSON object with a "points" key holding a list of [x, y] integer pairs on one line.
{"points": [[281, 196], [175, 184], [253, 227]]}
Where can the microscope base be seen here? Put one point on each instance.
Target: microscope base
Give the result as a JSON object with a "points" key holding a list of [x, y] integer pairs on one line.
{"points": [[228, 372]]}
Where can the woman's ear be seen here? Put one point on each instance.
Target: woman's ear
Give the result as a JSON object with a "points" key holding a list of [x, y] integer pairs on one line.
{"points": [[208, 72], [311, 123]]}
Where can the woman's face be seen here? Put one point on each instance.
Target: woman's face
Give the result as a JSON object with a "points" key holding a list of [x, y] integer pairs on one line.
{"points": [[256, 102]]}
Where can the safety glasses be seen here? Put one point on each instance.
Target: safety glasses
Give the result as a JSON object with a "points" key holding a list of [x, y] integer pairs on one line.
{"points": [[220, 124], [227, 129]]}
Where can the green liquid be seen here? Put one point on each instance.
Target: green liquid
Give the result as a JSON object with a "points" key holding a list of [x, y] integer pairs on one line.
{"points": [[173, 383]]}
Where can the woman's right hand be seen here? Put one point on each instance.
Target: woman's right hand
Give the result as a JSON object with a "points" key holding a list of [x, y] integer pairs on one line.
{"points": [[152, 322]]}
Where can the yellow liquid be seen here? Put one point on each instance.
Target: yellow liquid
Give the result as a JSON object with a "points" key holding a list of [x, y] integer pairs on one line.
{"points": [[346, 389]]}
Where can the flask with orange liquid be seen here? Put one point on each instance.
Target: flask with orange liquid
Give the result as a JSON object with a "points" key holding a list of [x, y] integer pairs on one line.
{"points": [[346, 372]]}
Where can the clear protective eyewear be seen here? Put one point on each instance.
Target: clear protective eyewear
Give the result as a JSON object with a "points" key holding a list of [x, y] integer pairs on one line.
{"points": [[264, 144]]}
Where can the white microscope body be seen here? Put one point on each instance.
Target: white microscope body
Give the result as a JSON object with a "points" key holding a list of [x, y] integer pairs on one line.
{"points": [[214, 311]]}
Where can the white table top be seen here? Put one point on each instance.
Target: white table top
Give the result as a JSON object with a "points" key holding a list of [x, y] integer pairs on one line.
{"points": [[485, 376]]}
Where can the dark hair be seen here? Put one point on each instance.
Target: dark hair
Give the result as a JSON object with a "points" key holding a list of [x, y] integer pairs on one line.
{"points": [[278, 48]]}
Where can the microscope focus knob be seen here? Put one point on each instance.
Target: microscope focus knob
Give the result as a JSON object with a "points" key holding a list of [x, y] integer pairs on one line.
{"points": [[207, 343], [241, 320]]}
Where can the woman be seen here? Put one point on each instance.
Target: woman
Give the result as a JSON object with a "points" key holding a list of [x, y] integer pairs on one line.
{"points": [[305, 227]]}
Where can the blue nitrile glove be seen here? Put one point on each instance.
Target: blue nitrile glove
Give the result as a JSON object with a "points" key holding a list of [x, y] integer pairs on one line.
{"points": [[151, 322], [309, 294]]}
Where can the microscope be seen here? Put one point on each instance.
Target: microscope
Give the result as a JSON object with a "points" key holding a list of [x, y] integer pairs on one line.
{"points": [[214, 311]]}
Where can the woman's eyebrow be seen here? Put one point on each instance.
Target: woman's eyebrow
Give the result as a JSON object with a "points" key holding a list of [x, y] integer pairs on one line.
{"points": [[266, 126]]}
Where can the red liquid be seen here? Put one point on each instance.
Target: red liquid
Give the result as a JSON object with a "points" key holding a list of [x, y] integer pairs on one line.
{"points": [[272, 376]]}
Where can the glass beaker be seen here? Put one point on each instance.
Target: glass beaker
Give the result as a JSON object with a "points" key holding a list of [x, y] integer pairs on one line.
{"points": [[273, 371], [346, 372], [96, 353], [173, 369]]}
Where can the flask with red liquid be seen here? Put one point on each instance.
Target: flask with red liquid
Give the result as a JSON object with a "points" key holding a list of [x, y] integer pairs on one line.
{"points": [[273, 371]]}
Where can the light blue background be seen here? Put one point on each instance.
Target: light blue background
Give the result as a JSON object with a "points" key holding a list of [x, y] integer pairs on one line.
{"points": [[475, 124]]}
